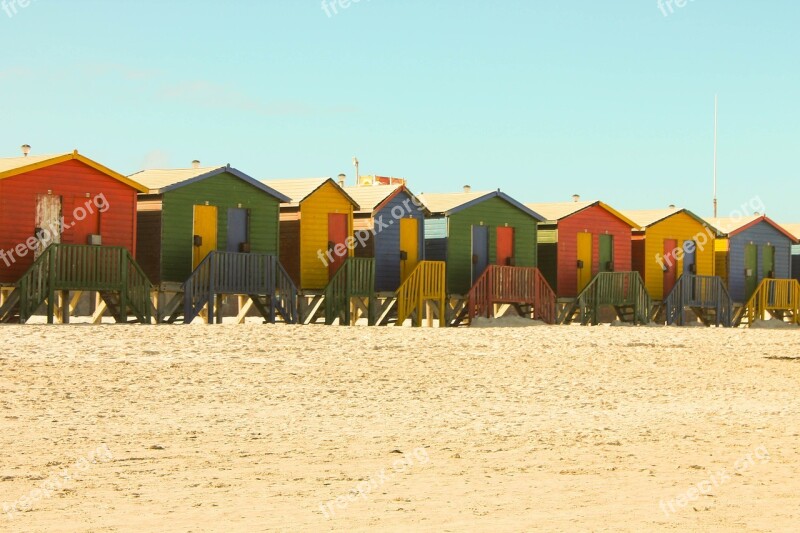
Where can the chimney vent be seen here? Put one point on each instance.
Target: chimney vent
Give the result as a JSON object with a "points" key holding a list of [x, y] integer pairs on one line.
{"points": [[576, 197], [26, 149], [467, 188], [196, 163], [342, 179], [672, 206]]}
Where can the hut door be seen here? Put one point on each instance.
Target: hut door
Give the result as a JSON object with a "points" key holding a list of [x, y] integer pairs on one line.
{"points": [[337, 234], [670, 267], [750, 270], [689, 257], [238, 234], [584, 263], [505, 246], [84, 222], [606, 243], [48, 222], [769, 261], [480, 251], [204, 239], [409, 246]]}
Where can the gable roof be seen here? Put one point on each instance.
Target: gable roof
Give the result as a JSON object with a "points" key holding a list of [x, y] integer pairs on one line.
{"points": [[645, 218], [165, 180], [731, 226], [555, 211], [372, 198], [299, 189], [450, 203], [14, 166]]}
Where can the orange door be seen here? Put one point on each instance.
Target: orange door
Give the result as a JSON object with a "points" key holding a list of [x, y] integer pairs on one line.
{"points": [[337, 234], [670, 266], [505, 246]]}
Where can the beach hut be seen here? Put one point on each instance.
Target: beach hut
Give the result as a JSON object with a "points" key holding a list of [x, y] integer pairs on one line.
{"points": [[476, 232], [749, 250], [389, 226], [670, 242], [578, 240], [68, 212], [195, 219], [314, 227]]}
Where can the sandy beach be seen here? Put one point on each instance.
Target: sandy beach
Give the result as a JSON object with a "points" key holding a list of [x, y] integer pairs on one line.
{"points": [[313, 428]]}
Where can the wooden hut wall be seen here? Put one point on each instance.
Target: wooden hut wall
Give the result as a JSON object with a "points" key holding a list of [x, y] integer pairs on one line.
{"points": [[761, 234]]}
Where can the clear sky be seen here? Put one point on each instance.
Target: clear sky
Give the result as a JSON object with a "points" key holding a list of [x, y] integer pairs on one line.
{"points": [[609, 99]]}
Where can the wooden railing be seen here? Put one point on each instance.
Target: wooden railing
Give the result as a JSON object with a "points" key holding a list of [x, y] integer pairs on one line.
{"points": [[616, 289], [78, 267], [701, 293], [512, 285], [354, 279], [239, 273], [427, 282], [779, 297]]}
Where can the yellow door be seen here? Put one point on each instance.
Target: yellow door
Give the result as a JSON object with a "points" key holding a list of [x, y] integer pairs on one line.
{"points": [[205, 232], [409, 246], [584, 260]]}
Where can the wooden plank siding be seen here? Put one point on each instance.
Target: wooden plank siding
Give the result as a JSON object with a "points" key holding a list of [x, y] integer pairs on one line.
{"points": [[148, 243], [436, 238], [492, 212], [73, 181], [595, 220], [387, 241], [314, 210], [223, 191], [681, 227], [760, 234]]}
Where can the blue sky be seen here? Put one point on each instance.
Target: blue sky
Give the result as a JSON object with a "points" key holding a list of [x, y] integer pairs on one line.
{"points": [[609, 99]]}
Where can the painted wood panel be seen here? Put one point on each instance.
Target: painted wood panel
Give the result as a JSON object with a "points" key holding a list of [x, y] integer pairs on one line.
{"points": [[760, 235], [314, 212], [73, 181], [493, 212], [222, 191]]}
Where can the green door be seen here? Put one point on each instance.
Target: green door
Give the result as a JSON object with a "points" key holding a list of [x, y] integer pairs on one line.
{"points": [[769, 261], [750, 270], [606, 253]]}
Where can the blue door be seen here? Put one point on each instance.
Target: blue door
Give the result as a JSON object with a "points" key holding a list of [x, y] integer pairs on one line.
{"points": [[238, 238], [480, 251], [689, 257]]}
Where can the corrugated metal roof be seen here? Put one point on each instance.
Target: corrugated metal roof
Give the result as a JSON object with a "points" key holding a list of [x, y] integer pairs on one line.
{"points": [[731, 224], [296, 189], [443, 202], [648, 217], [12, 163], [370, 197], [559, 210], [157, 179]]}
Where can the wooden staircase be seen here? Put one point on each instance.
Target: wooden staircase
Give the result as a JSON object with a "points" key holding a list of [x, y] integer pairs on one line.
{"points": [[623, 291], [706, 296], [778, 298], [424, 288], [523, 288], [260, 277], [351, 293], [109, 270]]}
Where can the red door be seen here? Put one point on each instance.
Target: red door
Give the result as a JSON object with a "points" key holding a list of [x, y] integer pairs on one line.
{"points": [[670, 266], [505, 246], [83, 222], [337, 234]]}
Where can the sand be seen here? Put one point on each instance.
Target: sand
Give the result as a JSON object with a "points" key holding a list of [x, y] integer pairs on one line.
{"points": [[262, 428]]}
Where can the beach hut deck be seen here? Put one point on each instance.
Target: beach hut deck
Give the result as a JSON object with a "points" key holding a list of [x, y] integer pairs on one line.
{"points": [[624, 292]]}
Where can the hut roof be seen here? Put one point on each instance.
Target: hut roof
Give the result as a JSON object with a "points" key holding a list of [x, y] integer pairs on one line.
{"points": [[731, 226], [299, 189], [372, 198], [13, 166], [794, 229], [450, 203], [647, 217], [555, 211], [165, 180]]}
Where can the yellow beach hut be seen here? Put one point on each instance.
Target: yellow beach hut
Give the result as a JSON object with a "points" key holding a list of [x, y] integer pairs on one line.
{"points": [[670, 243]]}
